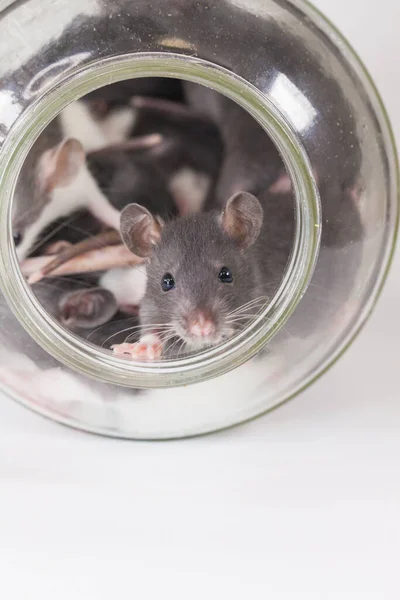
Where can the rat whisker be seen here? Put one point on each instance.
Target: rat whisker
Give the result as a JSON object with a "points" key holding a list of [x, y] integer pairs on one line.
{"points": [[108, 323], [253, 300], [245, 315], [245, 311], [242, 317], [174, 344], [142, 330], [158, 326], [115, 334], [68, 278], [41, 241], [118, 333], [134, 330], [248, 306], [37, 287], [78, 229], [167, 339], [131, 336], [168, 330], [181, 347]]}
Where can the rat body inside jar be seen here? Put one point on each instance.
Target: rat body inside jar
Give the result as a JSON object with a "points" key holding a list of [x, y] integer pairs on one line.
{"points": [[164, 227]]}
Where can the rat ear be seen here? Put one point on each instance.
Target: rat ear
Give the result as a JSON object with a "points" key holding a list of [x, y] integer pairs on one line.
{"points": [[140, 231], [86, 309], [242, 219], [60, 165]]}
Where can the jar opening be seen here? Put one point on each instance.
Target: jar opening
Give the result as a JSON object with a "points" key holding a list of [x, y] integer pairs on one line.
{"points": [[263, 315]]}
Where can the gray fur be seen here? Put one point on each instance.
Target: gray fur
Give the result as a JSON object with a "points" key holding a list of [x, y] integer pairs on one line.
{"points": [[195, 248]]}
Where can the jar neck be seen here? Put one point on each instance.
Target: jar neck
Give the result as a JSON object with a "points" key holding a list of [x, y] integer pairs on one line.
{"points": [[102, 365]]}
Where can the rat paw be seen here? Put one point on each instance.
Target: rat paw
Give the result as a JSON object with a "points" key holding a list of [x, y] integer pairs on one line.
{"points": [[148, 348]]}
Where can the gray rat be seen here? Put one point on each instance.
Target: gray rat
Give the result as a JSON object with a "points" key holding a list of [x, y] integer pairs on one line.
{"points": [[190, 154], [253, 165], [209, 274], [251, 160], [116, 95], [76, 304], [108, 179], [123, 178], [81, 305]]}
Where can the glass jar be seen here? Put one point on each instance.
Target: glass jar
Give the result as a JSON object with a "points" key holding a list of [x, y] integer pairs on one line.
{"points": [[286, 65]]}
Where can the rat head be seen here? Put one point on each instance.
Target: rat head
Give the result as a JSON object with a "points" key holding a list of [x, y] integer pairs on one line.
{"points": [[200, 270], [44, 173]]}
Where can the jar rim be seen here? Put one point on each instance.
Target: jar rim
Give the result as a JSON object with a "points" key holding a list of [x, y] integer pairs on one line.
{"points": [[101, 364]]}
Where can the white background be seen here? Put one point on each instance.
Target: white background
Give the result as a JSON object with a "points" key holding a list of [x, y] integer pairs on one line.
{"points": [[302, 503]]}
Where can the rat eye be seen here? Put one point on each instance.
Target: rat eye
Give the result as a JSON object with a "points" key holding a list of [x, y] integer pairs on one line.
{"points": [[167, 282], [17, 237], [225, 276]]}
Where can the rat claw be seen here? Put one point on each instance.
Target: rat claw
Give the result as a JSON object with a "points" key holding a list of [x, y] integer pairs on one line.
{"points": [[149, 348], [122, 349]]}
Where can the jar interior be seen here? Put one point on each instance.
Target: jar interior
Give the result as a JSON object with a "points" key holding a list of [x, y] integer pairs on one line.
{"points": [[159, 143], [319, 107]]}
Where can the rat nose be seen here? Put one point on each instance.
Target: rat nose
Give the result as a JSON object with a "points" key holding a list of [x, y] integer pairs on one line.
{"points": [[200, 325]]}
